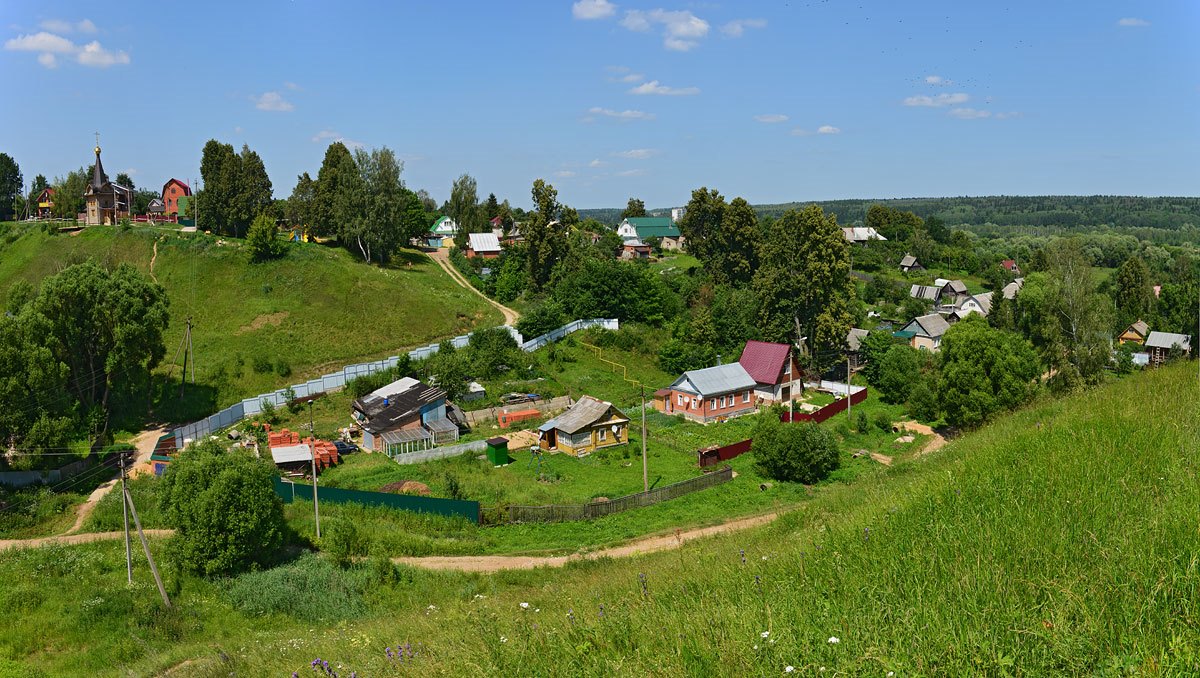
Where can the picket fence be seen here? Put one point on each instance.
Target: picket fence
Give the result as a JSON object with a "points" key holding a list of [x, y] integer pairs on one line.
{"points": [[337, 380], [563, 512]]}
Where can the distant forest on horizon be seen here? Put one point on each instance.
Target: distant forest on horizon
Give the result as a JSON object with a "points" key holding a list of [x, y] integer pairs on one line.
{"points": [[1040, 215]]}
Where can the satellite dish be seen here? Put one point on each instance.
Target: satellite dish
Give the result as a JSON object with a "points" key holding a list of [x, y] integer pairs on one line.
{"points": [[616, 429]]}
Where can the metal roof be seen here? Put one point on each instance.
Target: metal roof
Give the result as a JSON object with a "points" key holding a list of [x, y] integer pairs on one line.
{"points": [[1140, 327], [1010, 290], [908, 260], [712, 381], [653, 227], [927, 292], [932, 325], [861, 234], [764, 361], [485, 242], [1169, 340], [584, 413], [854, 338], [288, 454]]}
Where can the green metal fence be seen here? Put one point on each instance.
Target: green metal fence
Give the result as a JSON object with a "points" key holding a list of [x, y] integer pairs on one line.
{"points": [[406, 502]]}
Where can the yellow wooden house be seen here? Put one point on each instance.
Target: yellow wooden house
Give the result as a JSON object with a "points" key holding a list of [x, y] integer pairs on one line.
{"points": [[589, 425]]}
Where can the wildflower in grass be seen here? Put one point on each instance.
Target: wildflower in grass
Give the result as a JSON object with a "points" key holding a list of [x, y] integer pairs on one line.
{"points": [[388, 651], [891, 674], [833, 640], [601, 609], [295, 675], [764, 634], [524, 606], [642, 580], [866, 533], [789, 668], [743, 554], [571, 615], [758, 581], [503, 639], [756, 647]]}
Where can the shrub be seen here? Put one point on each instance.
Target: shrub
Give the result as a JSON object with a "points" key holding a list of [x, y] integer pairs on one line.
{"points": [[900, 367], [883, 422], [223, 507], [804, 453], [453, 488], [282, 368], [263, 239], [860, 422], [544, 317], [923, 403], [293, 405], [268, 411], [261, 364], [310, 588], [343, 542]]}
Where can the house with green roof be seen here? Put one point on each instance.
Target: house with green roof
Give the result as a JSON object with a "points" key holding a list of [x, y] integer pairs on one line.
{"points": [[643, 228]]}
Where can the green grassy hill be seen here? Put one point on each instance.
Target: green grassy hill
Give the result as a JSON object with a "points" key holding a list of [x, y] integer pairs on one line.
{"points": [[261, 326], [1059, 541]]}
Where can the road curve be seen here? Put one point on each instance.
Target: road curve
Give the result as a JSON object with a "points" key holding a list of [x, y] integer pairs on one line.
{"points": [[442, 257]]}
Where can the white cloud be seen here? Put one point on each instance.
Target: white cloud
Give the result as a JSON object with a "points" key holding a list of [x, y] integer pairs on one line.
{"points": [[49, 45], [937, 101], [653, 87], [771, 118], [800, 132], [593, 9], [332, 136], [41, 42], [637, 153], [623, 116], [969, 113], [1133, 22], [631, 77], [564, 174], [60, 26], [937, 80], [597, 163], [682, 30], [828, 129], [95, 55], [292, 86], [737, 27], [271, 101], [631, 173], [1009, 114]]}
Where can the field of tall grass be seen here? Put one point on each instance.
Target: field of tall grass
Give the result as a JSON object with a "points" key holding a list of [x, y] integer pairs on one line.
{"points": [[1061, 540]]}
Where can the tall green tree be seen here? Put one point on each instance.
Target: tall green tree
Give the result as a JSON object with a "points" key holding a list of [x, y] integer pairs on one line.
{"points": [[68, 194], [733, 255], [252, 192], [11, 185], [1133, 293], [983, 371], [803, 283], [635, 208], [301, 205], [377, 228], [463, 208], [125, 180], [701, 222], [39, 184], [491, 208], [545, 237], [221, 171], [338, 190]]}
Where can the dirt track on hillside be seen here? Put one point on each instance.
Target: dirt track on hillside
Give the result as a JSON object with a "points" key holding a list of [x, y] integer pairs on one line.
{"points": [[936, 440], [638, 547], [442, 257]]}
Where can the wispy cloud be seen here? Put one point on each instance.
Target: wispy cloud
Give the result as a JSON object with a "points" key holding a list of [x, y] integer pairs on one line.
{"points": [[828, 129], [937, 80], [332, 136], [771, 118], [50, 46], [1132, 22], [593, 9], [564, 174], [60, 26], [597, 163], [637, 153], [292, 86], [681, 30], [737, 27], [938, 100], [623, 116], [631, 173], [654, 87], [800, 132], [271, 101]]}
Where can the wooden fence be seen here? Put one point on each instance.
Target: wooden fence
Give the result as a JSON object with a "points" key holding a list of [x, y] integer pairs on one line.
{"points": [[563, 512]]}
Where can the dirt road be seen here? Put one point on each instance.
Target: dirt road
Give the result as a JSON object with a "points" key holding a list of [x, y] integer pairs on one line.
{"points": [[85, 538], [936, 440], [442, 257], [633, 548]]}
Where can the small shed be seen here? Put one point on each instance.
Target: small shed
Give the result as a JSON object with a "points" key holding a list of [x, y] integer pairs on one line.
{"points": [[292, 458], [909, 264], [589, 425], [497, 451]]}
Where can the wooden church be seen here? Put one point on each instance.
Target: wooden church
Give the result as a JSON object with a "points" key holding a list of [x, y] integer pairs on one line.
{"points": [[106, 201]]}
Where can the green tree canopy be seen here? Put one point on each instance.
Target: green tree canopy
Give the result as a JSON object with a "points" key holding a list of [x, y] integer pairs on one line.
{"points": [[898, 371], [11, 185], [263, 239], [338, 190], [223, 507], [545, 237], [799, 453], [1133, 293], [635, 208], [701, 222], [301, 205], [983, 371]]}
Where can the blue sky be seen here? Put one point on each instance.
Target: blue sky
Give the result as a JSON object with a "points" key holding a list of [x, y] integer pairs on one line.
{"points": [[608, 99]]}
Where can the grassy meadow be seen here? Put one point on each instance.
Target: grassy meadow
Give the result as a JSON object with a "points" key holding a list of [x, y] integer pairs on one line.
{"points": [[1060, 540]]}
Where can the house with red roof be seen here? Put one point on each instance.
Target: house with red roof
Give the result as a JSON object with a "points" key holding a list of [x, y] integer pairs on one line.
{"points": [[1011, 266], [172, 191], [774, 369]]}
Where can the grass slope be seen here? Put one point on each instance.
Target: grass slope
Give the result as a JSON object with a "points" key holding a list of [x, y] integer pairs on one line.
{"points": [[262, 326], [1059, 541]]}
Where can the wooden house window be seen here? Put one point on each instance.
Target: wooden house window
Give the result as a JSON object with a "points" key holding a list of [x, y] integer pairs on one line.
{"points": [[712, 404], [603, 435], [681, 400], [746, 397]]}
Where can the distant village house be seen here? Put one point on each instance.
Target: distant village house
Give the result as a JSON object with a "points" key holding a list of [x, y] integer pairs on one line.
{"points": [[589, 425], [709, 394]]}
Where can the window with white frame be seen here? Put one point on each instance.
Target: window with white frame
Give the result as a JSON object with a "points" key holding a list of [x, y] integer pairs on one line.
{"points": [[746, 397], [722, 401], [787, 368], [681, 400], [603, 435], [712, 404]]}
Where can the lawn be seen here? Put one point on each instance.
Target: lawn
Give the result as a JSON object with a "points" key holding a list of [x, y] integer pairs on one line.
{"points": [[257, 327], [1057, 541]]}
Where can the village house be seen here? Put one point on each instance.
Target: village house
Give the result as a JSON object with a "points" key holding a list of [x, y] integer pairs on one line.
{"points": [[156, 207], [926, 292], [444, 226], [172, 191], [589, 425], [635, 249], [1135, 333], [485, 245], [710, 394], [45, 203], [1011, 266], [972, 303], [105, 202], [861, 235], [1010, 290], [1161, 344], [774, 369], [909, 264], [925, 332], [404, 416], [644, 228], [854, 339], [952, 293]]}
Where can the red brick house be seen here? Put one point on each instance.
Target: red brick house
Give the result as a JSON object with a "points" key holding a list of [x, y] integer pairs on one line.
{"points": [[708, 395], [774, 369], [1011, 266], [172, 191]]}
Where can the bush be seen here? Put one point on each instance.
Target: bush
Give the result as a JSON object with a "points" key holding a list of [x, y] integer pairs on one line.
{"points": [[293, 406], [223, 507], [900, 367], [263, 239], [923, 403], [883, 422], [860, 422], [453, 488], [282, 368], [311, 589], [803, 453], [343, 542], [261, 364], [544, 317], [268, 411]]}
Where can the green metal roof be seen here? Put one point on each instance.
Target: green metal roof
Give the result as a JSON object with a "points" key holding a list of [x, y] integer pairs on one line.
{"points": [[654, 227], [904, 334]]}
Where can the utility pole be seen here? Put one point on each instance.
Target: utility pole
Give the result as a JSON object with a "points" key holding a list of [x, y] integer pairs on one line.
{"points": [[125, 517], [312, 449], [645, 468], [849, 402], [146, 547], [187, 350]]}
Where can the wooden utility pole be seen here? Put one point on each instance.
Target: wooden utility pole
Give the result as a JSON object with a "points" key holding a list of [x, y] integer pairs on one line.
{"points": [[645, 468], [849, 402], [312, 450], [146, 547], [187, 350], [125, 517]]}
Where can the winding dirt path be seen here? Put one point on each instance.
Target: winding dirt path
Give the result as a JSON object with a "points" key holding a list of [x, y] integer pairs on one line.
{"points": [[152, 258], [637, 547], [936, 440], [85, 538], [442, 257]]}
